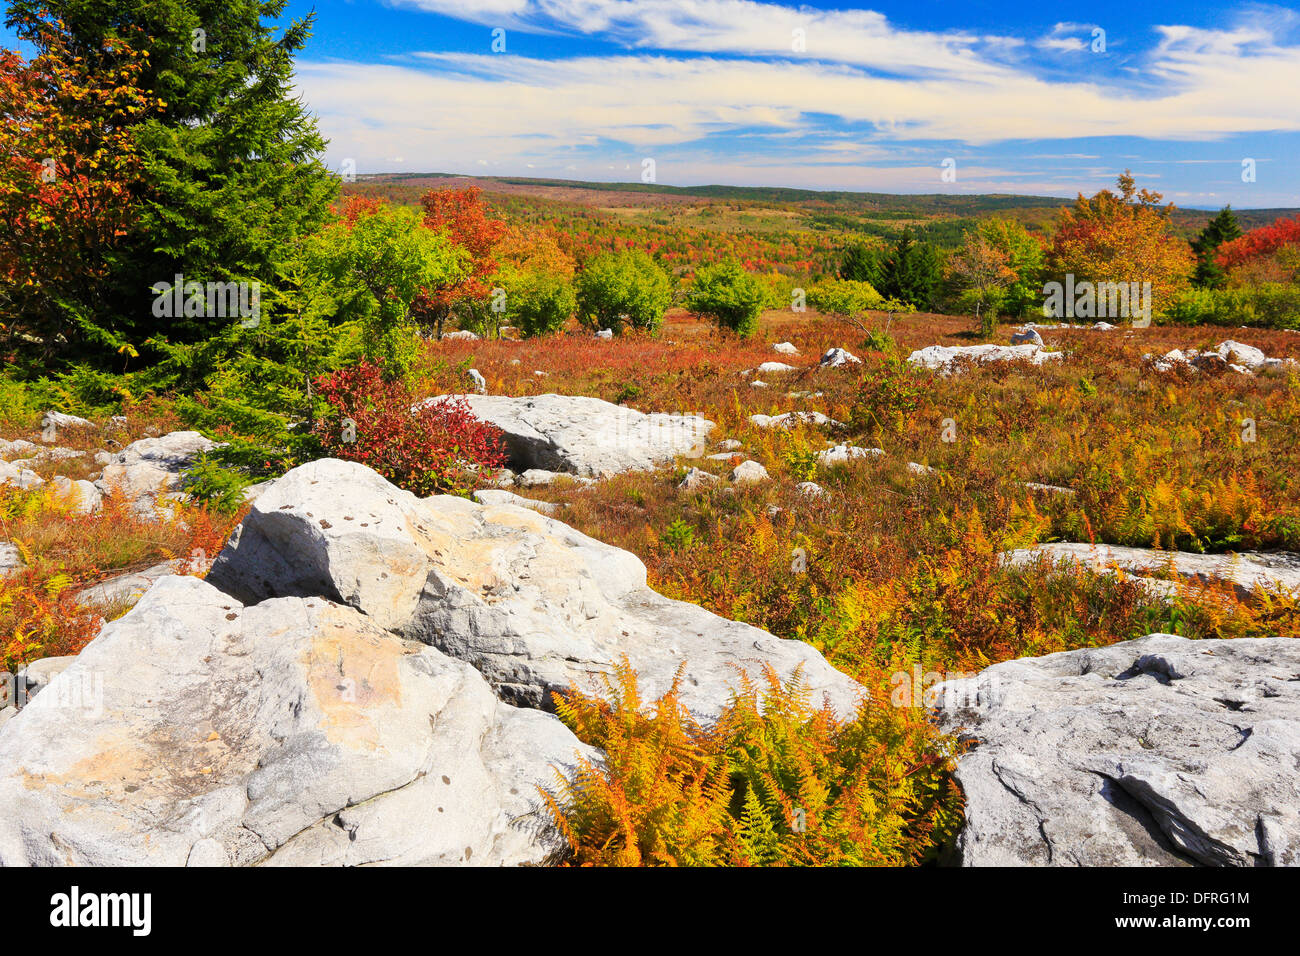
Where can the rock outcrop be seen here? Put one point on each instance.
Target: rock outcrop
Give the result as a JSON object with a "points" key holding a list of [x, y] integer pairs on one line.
{"points": [[944, 357], [836, 357], [147, 472], [788, 420], [842, 454], [1246, 571], [499, 496], [149, 469], [531, 603], [748, 473], [586, 436], [198, 731], [345, 688], [1229, 354], [1160, 751]]}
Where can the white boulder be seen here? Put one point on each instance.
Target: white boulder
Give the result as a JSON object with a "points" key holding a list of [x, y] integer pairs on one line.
{"points": [[533, 604], [294, 732], [943, 357], [586, 436], [835, 357]]}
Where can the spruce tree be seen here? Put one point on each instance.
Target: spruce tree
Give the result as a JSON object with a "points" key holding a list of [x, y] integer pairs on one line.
{"points": [[912, 272], [231, 173], [863, 263], [1222, 228]]}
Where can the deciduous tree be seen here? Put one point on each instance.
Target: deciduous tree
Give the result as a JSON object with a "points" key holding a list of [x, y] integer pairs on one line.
{"points": [[1122, 238], [729, 295], [619, 289], [463, 216], [67, 167]]}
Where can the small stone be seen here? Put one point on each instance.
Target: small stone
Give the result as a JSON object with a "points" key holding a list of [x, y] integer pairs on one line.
{"points": [[836, 357], [811, 489], [696, 479], [749, 472]]}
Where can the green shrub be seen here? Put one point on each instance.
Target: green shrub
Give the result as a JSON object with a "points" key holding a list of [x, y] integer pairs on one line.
{"points": [[1269, 305], [371, 271], [619, 289], [728, 295], [541, 304], [220, 486], [678, 536]]}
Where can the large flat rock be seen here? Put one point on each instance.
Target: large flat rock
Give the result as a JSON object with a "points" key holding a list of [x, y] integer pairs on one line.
{"points": [[587, 436], [1246, 571], [196, 730], [531, 603], [1159, 751], [944, 357]]}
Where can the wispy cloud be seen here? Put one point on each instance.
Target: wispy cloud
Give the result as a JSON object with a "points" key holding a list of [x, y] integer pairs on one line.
{"points": [[684, 76]]}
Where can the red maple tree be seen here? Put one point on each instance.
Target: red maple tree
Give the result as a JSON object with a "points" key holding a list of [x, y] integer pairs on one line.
{"points": [[463, 216], [68, 164]]}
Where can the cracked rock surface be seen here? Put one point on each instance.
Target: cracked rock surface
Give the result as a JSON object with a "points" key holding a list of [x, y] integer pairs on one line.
{"points": [[196, 730], [1158, 751], [343, 689], [531, 603]]}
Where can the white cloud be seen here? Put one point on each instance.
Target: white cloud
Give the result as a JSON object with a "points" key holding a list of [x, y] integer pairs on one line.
{"points": [[888, 91], [738, 27]]}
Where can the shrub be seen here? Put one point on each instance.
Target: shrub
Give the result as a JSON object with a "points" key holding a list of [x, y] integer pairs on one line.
{"points": [[42, 610], [372, 269], [888, 396], [1272, 305], [541, 304], [775, 781], [537, 278], [220, 487], [678, 536], [728, 295], [1258, 243], [622, 288], [851, 300], [427, 449]]}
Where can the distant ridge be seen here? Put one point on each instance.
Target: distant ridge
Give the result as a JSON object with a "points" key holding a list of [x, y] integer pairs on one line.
{"points": [[938, 216]]}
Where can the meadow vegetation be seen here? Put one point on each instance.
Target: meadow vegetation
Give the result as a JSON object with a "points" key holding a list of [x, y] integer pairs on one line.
{"points": [[895, 570]]}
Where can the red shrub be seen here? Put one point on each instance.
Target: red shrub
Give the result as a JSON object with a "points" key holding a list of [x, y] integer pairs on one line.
{"points": [[1258, 243], [431, 449]]}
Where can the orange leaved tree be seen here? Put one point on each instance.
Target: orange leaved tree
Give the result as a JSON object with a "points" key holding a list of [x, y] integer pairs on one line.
{"points": [[1122, 238], [68, 165], [463, 216]]}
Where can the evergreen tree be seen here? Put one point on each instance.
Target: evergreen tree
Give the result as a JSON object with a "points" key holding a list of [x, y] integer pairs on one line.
{"points": [[1222, 228], [230, 174], [910, 271], [913, 271], [863, 263]]}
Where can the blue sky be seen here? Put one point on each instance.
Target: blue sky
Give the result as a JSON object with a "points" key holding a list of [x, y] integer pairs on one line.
{"points": [[1022, 97]]}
